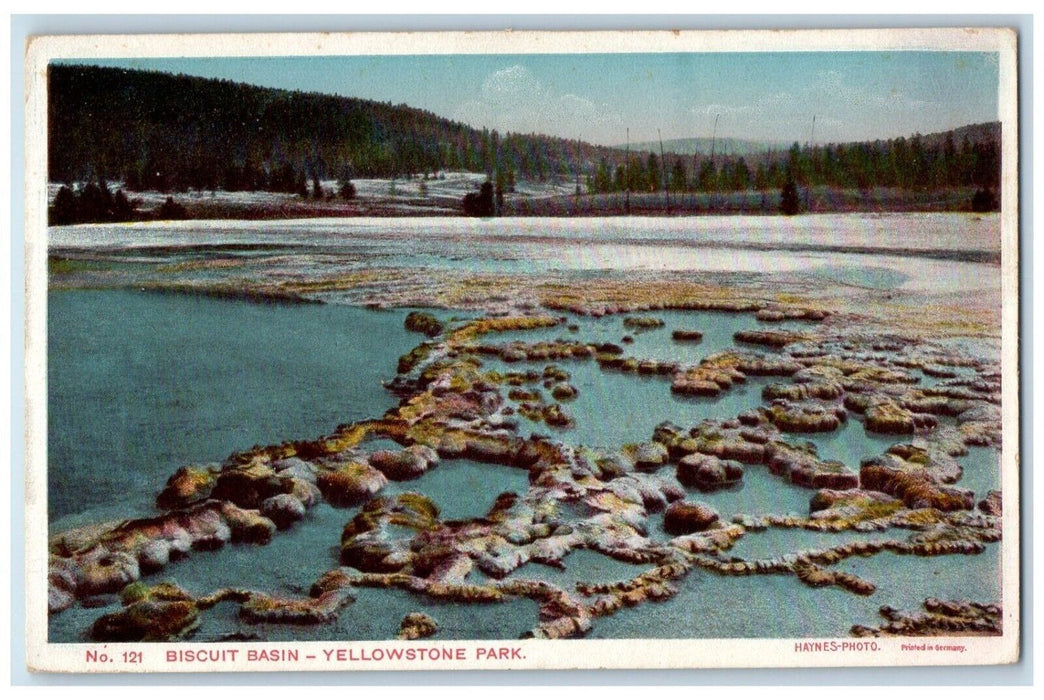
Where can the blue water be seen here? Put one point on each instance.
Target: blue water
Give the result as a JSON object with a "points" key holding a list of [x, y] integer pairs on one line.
{"points": [[286, 566], [961, 373], [462, 488], [582, 565], [776, 541], [654, 343], [140, 384], [289, 565], [849, 444], [377, 613], [760, 492], [709, 605], [615, 408], [981, 470]]}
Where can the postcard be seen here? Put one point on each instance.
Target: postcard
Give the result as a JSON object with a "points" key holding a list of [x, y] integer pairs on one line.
{"points": [[522, 350]]}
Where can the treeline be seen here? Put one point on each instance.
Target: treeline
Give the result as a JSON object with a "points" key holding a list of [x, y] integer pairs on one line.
{"points": [[163, 132], [95, 202], [917, 164]]}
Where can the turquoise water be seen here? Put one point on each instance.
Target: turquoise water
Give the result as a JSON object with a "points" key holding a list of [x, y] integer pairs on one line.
{"points": [[615, 408], [760, 492], [981, 470], [929, 381], [904, 581], [140, 384], [712, 606], [849, 444], [288, 565], [462, 488], [377, 613], [73, 624], [655, 343], [776, 541], [582, 565], [706, 606]]}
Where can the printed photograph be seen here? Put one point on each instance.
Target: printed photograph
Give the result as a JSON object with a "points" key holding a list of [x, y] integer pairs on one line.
{"points": [[673, 344]]}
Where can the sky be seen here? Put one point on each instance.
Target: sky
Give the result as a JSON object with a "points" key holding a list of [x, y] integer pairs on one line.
{"points": [[768, 96]]}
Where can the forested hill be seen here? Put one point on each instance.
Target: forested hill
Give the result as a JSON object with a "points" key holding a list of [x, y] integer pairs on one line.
{"points": [[159, 131]]}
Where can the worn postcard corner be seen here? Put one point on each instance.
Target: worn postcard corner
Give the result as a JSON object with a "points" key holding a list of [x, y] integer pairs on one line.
{"points": [[522, 350]]}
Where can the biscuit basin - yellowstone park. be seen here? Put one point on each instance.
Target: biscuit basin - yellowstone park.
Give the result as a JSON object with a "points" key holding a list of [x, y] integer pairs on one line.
{"points": [[709, 427]]}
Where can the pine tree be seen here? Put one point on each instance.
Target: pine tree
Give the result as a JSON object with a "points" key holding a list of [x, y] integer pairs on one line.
{"points": [[63, 211], [603, 181], [653, 173], [620, 179], [741, 175], [480, 203], [346, 189], [171, 210], [708, 177], [678, 183], [984, 201], [122, 209], [789, 202]]}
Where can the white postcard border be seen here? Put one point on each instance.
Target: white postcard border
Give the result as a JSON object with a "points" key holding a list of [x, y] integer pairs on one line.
{"points": [[581, 654]]}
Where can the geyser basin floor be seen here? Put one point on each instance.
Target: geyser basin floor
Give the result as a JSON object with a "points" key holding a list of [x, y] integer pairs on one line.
{"points": [[335, 358]]}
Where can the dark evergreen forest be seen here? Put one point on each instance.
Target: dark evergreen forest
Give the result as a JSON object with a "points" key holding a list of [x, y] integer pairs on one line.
{"points": [[966, 157], [168, 133]]}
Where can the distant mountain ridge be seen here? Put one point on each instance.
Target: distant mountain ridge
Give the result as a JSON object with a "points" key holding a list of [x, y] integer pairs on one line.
{"points": [[985, 132], [703, 145]]}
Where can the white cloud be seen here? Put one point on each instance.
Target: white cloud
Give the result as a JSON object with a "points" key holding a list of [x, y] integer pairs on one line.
{"points": [[513, 99], [758, 107], [831, 87], [842, 111], [516, 82], [579, 116], [715, 109]]}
